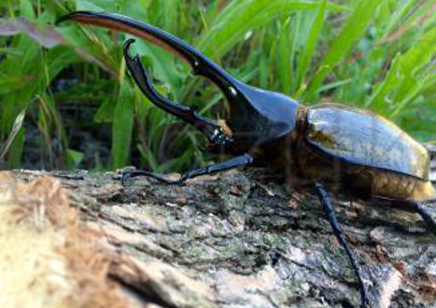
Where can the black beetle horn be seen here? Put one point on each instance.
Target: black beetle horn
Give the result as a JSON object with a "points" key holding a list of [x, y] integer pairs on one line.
{"points": [[200, 64], [258, 120], [209, 127]]}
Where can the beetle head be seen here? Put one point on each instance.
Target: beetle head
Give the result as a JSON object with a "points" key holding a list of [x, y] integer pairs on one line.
{"points": [[256, 116]]}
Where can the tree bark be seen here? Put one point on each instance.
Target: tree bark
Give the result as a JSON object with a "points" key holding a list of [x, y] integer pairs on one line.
{"points": [[235, 240]]}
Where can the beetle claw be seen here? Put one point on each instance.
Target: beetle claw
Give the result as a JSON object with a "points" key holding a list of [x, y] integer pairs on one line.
{"points": [[125, 176], [132, 174], [189, 115]]}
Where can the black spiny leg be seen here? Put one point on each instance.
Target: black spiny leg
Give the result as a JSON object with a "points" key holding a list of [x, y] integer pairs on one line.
{"points": [[411, 205], [235, 162], [425, 216], [328, 208]]}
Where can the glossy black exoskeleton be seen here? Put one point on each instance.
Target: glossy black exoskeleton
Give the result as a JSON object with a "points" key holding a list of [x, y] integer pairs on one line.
{"points": [[371, 156]]}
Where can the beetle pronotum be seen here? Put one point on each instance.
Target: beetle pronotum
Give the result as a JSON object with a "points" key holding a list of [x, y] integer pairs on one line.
{"points": [[307, 141]]}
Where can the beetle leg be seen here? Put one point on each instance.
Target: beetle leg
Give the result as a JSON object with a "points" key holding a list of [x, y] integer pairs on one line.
{"points": [[239, 161], [431, 223], [210, 128], [411, 206], [331, 216]]}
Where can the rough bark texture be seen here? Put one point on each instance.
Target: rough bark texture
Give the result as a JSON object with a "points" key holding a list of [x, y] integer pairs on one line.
{"points": [[235, 240]]}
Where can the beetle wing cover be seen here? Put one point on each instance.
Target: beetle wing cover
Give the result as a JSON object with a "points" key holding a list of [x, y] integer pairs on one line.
{"points": [[361, 137]]}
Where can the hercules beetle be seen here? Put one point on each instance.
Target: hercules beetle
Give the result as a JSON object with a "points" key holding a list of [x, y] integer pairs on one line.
{"points": [[371, 156]]}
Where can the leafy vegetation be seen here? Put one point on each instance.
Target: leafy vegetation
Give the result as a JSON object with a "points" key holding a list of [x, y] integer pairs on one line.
{"points": [[82, 110]]}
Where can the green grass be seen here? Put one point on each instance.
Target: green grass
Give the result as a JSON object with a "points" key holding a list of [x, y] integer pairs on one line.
{"points": [[378, 55]]}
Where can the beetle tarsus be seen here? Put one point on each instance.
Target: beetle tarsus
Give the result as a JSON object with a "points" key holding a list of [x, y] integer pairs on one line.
{"points": [[426, 216], [235, 162], [232, 163], [412, 206], [331, 216], [132, 174]]}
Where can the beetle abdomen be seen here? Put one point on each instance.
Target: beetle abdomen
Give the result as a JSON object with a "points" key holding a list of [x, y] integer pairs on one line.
{"points": [[363, 138], [363, 181], [393, 185]]}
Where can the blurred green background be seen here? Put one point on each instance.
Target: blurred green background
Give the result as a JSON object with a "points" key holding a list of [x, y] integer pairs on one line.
{"points": [[66, 101]]}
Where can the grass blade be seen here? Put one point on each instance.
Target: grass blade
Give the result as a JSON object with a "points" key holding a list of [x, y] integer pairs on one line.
{"points": [[311, 42], [18, 123], [239, 17], [403, 81], [122, 124], [352, 31]]}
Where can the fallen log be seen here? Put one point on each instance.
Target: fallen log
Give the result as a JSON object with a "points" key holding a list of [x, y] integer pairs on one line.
{"points": [[230, 240]]}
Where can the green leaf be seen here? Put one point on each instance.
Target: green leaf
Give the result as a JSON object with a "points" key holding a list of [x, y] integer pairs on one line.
{"points": [[334, 85], [284, 60], [382, 89], [404, 79], [18, 123], [106, 112], [122, 126], [164, 64], [73, 158], [405, 7], [86, 5], [26, 9], [311, 42], [238, 17], [411, 93], [352, 31], [16, 150]]}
